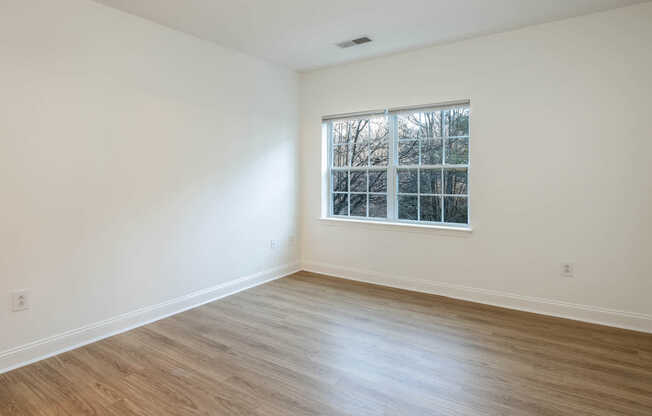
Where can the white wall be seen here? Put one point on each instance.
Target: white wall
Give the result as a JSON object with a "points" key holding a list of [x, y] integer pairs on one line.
{"points": [[137, 164], [561, 138]]}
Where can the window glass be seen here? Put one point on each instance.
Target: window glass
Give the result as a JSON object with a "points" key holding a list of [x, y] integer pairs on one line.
{"points": [[402, 166]]}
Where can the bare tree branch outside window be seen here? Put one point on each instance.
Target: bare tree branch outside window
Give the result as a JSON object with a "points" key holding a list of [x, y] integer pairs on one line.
{"points": [[415, 162]]}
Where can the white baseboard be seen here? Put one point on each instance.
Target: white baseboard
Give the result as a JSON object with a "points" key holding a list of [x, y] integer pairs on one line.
{"points": [[57, 344], [592, 314]]}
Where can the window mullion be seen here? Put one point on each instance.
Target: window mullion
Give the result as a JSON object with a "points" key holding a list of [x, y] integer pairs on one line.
{"points": [[391, 168], [441, 197], [420, 143], [367, 194], [348, 195], [419, 194], [331, 149], [444, 135], [444, 141], [349, 157]]}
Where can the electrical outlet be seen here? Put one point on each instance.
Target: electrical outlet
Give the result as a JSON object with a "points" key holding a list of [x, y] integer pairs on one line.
{"points": [[20, 301], [568, 269], [273, 244]]}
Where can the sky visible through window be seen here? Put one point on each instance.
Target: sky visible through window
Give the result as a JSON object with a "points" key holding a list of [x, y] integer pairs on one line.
{"points": [[406, 166]]}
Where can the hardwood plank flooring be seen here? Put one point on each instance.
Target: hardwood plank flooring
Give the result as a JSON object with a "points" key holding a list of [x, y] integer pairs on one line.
{"points": [[315, 345]]}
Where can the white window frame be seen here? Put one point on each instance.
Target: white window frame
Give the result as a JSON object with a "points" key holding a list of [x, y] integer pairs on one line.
{"points": [[393, 167]]}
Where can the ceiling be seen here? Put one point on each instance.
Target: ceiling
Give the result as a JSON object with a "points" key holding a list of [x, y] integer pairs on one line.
{"points": [[301, 34]]}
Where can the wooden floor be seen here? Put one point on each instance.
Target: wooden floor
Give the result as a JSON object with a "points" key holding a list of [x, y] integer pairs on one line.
{"points": [[307, 345]]}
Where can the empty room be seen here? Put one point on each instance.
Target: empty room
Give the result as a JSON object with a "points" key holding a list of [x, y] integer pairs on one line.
{"points": [[337, 208]]}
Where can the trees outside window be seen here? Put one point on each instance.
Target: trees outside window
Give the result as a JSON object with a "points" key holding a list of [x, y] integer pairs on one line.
{"points": [[404, 166]]}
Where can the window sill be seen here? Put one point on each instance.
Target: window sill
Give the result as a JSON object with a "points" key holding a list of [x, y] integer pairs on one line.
{"points": [[398, 226]]}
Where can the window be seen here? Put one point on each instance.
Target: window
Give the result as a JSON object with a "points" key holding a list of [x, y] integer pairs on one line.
{"points": [[401, 166]]}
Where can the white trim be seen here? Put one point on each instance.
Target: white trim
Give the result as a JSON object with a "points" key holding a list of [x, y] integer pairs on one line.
{"points": [[395, 225], [57, 344], [396, 110], [586, 313]]}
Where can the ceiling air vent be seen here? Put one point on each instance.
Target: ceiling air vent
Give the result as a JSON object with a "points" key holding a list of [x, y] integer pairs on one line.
{"points": [[354, 42]]}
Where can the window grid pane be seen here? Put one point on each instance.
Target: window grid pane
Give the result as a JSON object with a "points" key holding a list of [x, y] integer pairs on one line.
{"points": [[378, 205], [353, 189]]}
